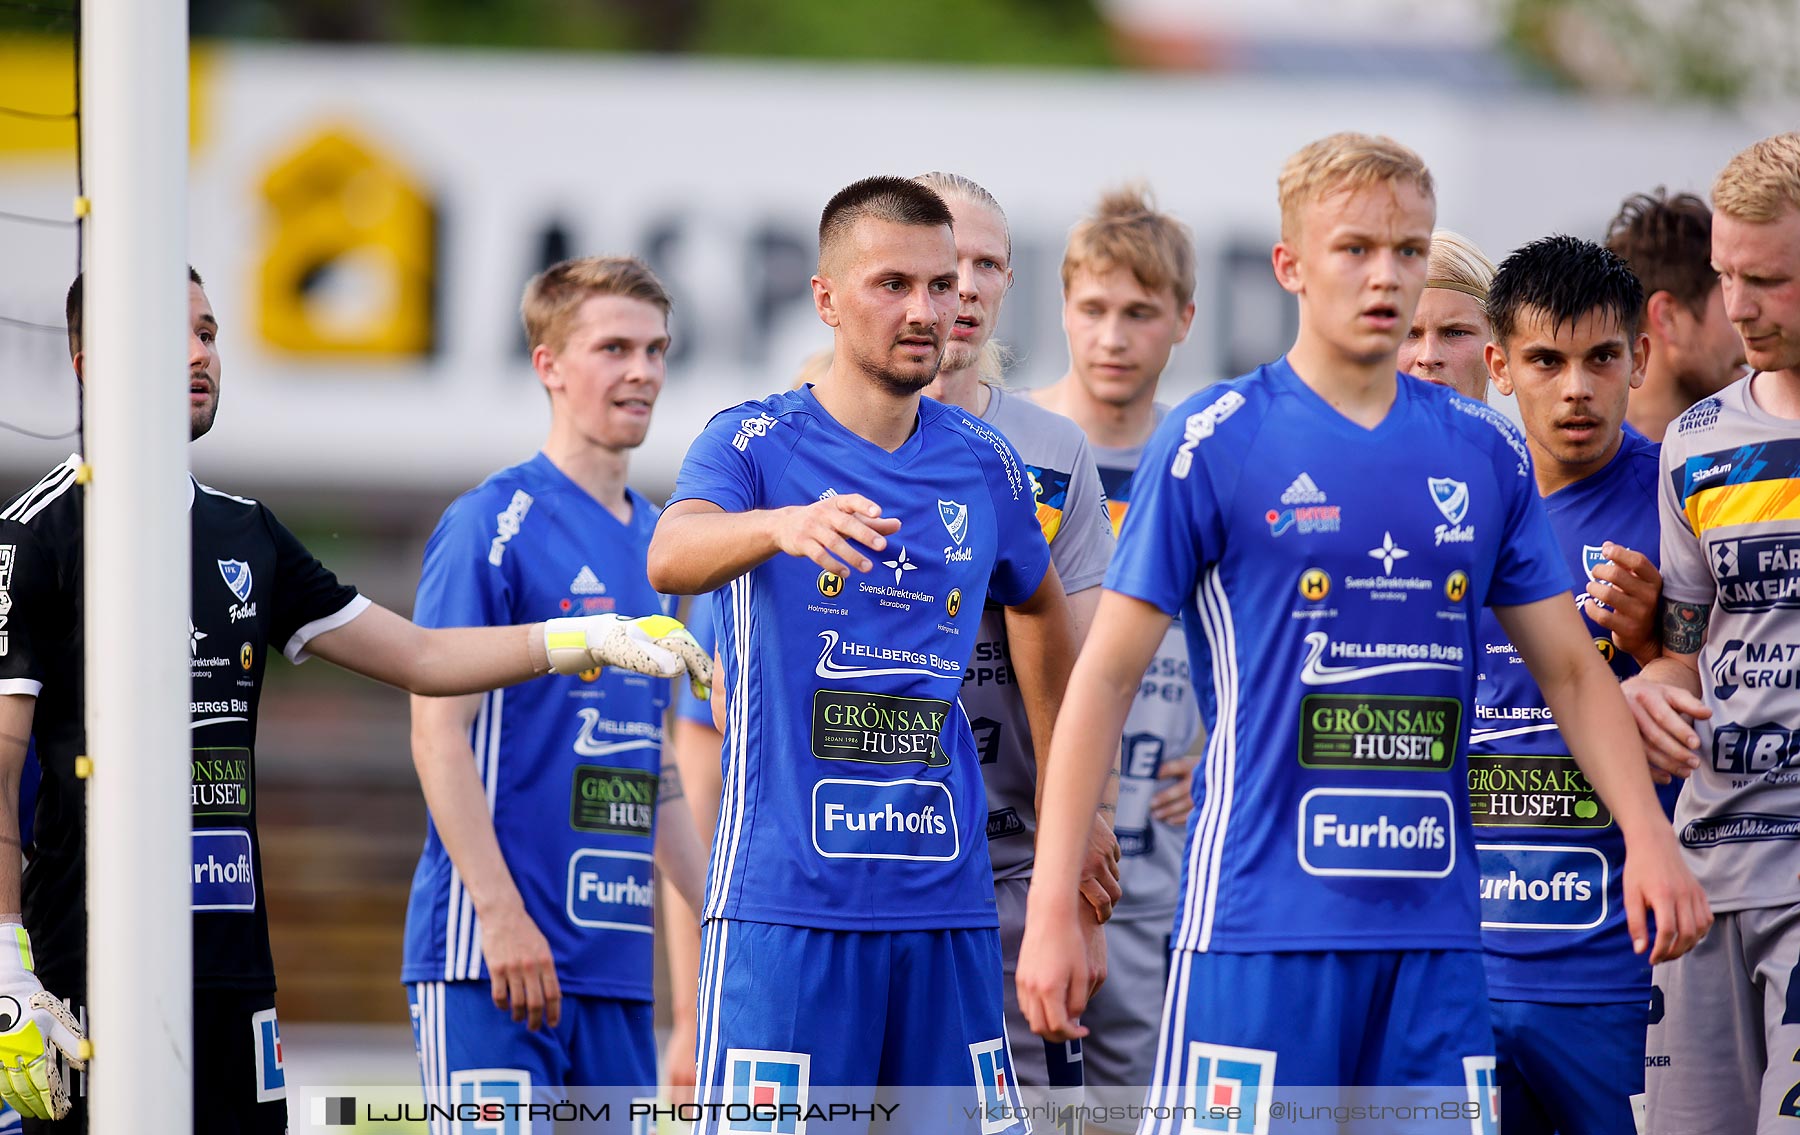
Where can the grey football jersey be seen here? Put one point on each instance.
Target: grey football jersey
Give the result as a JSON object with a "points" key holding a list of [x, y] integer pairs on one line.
{"points": [[1730, 503], [1163, 721], [1071, 508]]}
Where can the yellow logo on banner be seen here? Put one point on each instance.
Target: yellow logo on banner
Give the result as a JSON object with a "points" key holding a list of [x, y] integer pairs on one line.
{"points": [[37, 75], [349, 252]]}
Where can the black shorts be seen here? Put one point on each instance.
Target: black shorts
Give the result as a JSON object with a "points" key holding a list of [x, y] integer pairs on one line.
{"points": [[239, 1085]]}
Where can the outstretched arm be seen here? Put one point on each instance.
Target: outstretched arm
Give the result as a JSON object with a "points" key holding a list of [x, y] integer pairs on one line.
{"points": [[699, 547], [1586, 703], [446, 661]]}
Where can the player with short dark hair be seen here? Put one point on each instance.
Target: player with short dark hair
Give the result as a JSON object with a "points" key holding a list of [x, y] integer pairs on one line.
{"points": [[1694, 350], [1330, 932], [254, 587], [1567, 994], [855, 528]]}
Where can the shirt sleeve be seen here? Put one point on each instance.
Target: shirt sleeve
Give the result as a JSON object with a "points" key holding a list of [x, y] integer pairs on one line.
{"points": [[460, 585], [1175, 526], [1686, 571], [1084, 543], [1529, 564], [31, 599], [1022, 557], [308, 600], [718, 467], [700, 624]]}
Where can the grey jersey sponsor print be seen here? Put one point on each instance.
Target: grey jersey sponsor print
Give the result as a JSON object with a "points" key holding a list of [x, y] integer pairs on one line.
{"points": [[1730, 504], [1071, 509]]}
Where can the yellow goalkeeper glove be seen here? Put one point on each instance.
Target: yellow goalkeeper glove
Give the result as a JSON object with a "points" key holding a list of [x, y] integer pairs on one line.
{"points": [[31, 1021], [651, 644]]}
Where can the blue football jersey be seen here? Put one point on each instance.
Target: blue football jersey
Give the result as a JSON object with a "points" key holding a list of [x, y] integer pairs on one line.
{"points": [[1330, 575], [570, 763], [853, 797], [1552, 860]]}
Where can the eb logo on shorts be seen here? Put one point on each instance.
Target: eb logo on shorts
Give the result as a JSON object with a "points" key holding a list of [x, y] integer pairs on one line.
{"points": [[994, 1082], [766, 1092], [500, 1095], [1484, 1092], [1227, 1089]]}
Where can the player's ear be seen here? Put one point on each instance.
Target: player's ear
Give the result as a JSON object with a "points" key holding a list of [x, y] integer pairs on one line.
{"points": [[1185, 321], [1640, 358], [1659, 312], [543, 361], [1287, 266], [80, 361], [825, 300], [1496, 364]]}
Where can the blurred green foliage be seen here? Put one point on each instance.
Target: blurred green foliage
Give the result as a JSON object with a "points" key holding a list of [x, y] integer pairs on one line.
{"points": [[1033, 32]]}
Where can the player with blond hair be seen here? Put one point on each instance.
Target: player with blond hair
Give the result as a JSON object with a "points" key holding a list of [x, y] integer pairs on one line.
{"points": [[1450, 327], [528, 957], [1128, 299], [1329, 932], [1071, 510], [1725, 1022]]}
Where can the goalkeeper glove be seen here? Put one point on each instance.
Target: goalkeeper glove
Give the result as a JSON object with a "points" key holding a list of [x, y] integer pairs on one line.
{"points": [[651, 644], [32, 1020]]}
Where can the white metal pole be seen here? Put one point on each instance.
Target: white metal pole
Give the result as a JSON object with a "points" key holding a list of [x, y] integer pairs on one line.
{"points": [[140, 979]]}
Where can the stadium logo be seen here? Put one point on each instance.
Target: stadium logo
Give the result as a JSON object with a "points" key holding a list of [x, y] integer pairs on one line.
{"points": [[885, 819], [1413, 656], [1534, 887], [611, 890], [1227, 1088], [994, 1081], [1373, 833], [956, 519], [766, 1092]]}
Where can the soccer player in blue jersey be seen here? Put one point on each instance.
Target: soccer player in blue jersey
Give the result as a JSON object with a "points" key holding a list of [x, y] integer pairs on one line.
{"points": [[1330, 932], [1568, 995], [849, 922], [529, 951]]}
